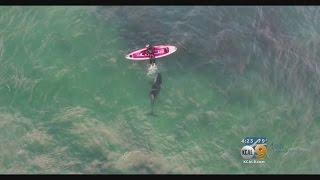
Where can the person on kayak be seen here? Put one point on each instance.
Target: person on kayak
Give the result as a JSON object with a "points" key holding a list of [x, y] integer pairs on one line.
{"points": [[153, 67], [151, 54]]}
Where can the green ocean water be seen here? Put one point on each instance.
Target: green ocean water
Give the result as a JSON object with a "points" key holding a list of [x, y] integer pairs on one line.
{"points": [[71, 103]]}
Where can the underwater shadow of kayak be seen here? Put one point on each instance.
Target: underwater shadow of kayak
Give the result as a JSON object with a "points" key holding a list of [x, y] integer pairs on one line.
{"points": [[152, 114]]}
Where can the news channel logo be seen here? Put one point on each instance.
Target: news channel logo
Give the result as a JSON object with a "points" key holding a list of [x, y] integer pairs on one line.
{"points": [[254, 149]]}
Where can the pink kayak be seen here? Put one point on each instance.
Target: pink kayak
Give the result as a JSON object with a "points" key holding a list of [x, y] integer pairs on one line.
{"points": [[159, 52]]}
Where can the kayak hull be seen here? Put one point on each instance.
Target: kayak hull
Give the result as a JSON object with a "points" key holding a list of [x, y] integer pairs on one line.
{"points": [[159, 52]]}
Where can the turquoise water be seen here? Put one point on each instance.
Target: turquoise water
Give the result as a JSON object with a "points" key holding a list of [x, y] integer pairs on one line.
{"points": [[71, 103]]}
